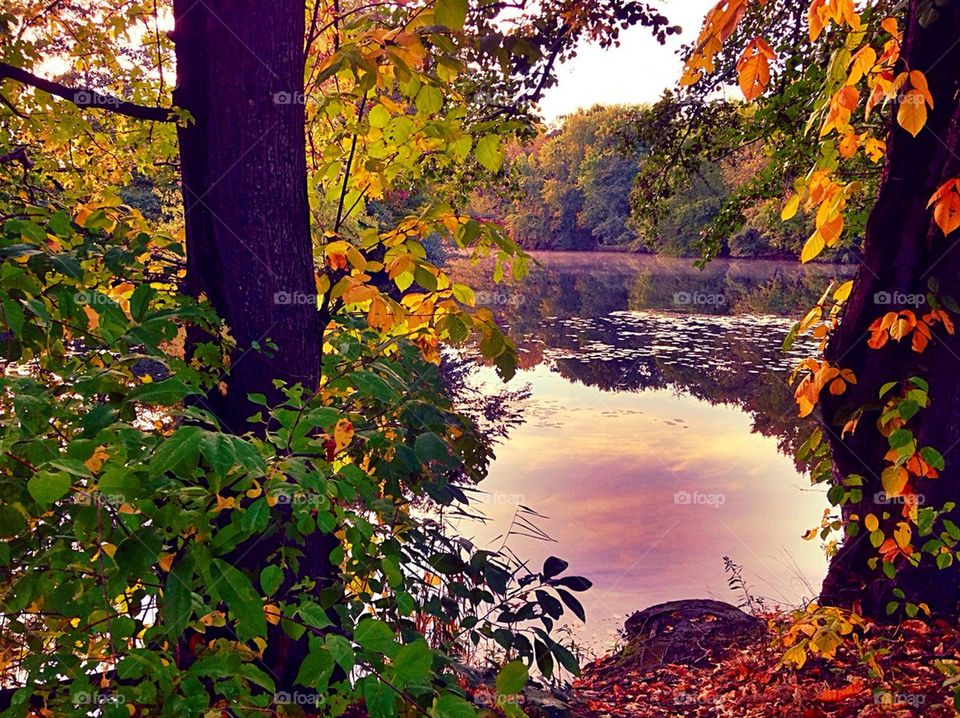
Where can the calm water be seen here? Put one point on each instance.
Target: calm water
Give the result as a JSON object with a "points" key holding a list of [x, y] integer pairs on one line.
{"points": [[659, 431]]}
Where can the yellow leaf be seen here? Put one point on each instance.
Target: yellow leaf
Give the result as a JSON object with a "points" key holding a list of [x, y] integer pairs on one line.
{"points": [[894, 479], [875, 149], [796, 656], [272, 614], [812, 248], [912, 115], [791, 208], [843, 291], [871, 522], [95, 462], [343, 434], [902, 535], [861, 64], [166, 561]]}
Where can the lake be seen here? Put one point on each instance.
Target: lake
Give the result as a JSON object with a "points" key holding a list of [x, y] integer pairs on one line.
{"points": [[659, 431]]}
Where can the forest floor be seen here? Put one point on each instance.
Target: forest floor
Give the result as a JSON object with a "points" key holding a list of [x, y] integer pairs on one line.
{"points": [[749, 681]]}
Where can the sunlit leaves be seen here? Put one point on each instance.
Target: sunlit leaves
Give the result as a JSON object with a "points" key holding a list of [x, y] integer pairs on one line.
{"points": [[753, 68], [946, 206], [718, 25], [490, 152], [451, 13], [839, 11]]}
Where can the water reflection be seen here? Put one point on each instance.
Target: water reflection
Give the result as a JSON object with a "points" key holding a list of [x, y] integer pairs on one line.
{"points": [[659, 430]]}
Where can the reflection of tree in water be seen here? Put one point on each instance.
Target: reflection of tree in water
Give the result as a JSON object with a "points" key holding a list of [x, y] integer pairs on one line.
{"points": [[622, 326]]}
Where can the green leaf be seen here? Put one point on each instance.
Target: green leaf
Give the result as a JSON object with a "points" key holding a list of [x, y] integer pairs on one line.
{"points": [[218, 450], [451, 13], [163, 393], [450, 706], [244, 603], [270, 579], [46, 486], [256, 516], [184, 444], [378, 116], [489, 152], [12, 522], [429, 100], [380, 699], [413, 662], [932, 457], [512, 678], [375, 635], [430, 447], [314, 615], [317, 667], [566, 658], [177, 601], [13, 316]]}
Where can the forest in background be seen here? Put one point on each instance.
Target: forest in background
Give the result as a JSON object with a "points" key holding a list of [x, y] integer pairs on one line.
{"points": [[575, 187]]}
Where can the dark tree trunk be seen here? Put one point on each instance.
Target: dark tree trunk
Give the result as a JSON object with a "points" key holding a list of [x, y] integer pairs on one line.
{"points": [[240, 74], [903, 250]]}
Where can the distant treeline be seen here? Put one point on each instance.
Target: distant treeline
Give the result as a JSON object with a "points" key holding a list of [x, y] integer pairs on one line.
{"points": [[573, 189]]}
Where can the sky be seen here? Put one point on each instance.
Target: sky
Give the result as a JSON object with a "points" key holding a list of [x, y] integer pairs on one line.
{"points": [[638, 71]]}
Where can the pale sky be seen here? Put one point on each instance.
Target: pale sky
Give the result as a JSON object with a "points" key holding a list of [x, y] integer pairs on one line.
{"points": [[637, 71]]}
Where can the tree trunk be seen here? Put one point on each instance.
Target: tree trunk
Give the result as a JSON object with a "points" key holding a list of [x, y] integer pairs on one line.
{"points": [[903, 250], [240, 74]]}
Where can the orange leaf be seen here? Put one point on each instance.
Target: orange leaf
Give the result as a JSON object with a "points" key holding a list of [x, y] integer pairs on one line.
{"points": [[919, 81], [343, 434], [753, 68], [861, 64], [946, 206], [835, 695]]}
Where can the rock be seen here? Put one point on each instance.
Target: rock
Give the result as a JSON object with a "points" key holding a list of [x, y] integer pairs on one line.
{"points": [[689, 632]]}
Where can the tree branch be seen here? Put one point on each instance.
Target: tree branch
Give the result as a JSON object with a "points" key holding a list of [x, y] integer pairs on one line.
{"points": [[86, 98]]}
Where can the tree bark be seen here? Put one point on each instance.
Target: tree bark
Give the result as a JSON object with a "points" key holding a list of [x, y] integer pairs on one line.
{"points": [[903, 250], [240, 73], [249, 250]]}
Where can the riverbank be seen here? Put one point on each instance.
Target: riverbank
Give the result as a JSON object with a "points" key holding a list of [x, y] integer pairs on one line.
{"points": [[877, 672]]}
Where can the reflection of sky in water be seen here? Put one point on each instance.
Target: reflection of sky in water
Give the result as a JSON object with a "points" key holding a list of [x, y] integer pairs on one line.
{"points": [[605, 467], [684, 398]]}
